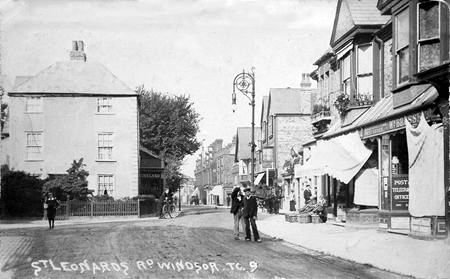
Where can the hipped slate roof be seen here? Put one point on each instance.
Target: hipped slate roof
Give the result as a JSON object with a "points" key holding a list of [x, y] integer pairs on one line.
{"points": [[75, 77], [243, 140], [289, 101]]}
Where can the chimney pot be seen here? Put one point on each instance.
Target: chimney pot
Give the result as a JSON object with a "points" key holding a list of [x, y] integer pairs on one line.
{"points": [[74, 45], [80, 45], [77, 52], [306, 82]]}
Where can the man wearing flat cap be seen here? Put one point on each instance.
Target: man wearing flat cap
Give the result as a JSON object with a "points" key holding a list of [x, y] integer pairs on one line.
{"points": [[250, 215]]}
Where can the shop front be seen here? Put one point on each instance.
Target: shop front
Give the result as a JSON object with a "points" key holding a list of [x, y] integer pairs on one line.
{"points": [[333, 170], [411, 171]]}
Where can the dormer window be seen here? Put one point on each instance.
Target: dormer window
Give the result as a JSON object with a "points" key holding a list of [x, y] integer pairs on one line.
{"points": [[402, 46], [428, 35]]}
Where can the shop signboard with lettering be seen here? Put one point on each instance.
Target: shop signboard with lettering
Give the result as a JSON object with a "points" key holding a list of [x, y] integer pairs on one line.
{"points": [[400, 192], [393, 124]]}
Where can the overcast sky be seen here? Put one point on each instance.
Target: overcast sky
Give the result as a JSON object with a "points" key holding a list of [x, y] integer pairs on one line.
{"points": [[183, 47]]}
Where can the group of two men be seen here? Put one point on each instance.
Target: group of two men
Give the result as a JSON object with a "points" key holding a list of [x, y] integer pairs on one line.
{"points": [[246, 208]]}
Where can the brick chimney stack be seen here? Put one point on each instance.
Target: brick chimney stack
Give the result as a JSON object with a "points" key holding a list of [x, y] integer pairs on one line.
{"points": [[77, 52], [306, 81]]}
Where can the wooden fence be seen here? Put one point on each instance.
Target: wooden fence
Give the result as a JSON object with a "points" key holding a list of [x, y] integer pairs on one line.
{"points": [[105, 208]]}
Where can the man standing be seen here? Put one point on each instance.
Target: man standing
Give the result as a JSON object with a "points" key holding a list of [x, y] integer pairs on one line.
{"points": [[307, 194], [250, 215]]}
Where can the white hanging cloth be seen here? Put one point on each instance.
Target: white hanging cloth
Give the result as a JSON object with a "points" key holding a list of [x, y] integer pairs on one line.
{"points": [[426, 169]]}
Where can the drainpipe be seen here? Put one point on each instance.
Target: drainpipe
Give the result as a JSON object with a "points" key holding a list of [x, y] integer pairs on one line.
{"points": [[380, 44]]}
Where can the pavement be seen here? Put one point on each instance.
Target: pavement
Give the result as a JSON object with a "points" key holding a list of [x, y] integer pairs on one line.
{"points": [[388, 251]]}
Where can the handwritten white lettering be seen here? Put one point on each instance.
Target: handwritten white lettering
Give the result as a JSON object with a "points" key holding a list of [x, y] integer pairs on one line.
{"points": [[96, 268]]}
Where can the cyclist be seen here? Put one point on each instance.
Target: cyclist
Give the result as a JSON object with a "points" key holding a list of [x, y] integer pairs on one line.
{"points": [[166, 198]]}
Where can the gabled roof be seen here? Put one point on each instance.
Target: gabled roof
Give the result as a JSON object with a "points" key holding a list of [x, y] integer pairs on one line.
{"points": [[351, 14], [289, 101], [243, 140], [75, 77], [265, 103]]}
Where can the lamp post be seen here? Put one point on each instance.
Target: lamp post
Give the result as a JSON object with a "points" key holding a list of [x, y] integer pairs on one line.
{"points": [[242, 82]]}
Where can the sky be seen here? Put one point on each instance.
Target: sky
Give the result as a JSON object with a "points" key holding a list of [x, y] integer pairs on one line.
{"points": [[191, 47]]}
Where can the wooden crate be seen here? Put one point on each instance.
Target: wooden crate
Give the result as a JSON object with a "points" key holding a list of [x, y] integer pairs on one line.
{"points": [[304, 218], [291, 218], [315, 219]]}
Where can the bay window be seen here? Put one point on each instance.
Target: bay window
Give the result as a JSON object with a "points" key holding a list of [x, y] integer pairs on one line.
{"points": [[364, 73], [402, 46], [346, 73], [428, 35]]}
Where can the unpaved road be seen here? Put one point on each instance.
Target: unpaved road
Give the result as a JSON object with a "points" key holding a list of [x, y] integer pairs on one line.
{"points": [[198, 244]]}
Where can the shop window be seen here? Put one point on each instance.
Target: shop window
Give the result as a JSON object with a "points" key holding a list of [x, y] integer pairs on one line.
{"points": [[428, 30], [402, 46], [364, 73], [346, 73], [399, 159]]}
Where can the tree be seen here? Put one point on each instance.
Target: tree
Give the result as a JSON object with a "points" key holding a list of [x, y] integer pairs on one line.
{"points": [[21, 193], [73, 185], [168, 126]]}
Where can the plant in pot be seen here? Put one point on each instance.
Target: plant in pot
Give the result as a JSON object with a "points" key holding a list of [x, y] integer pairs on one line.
{"points": [[342, 102]]}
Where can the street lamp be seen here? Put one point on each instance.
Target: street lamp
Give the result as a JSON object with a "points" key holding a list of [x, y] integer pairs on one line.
{"points": [[242, 82]]}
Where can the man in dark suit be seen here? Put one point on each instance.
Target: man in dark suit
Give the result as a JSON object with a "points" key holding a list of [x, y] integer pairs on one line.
{"points": [[307, 194], [250, 215]]}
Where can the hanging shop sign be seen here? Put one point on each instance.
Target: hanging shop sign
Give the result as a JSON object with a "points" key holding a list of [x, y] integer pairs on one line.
{"points": [[400, 192], [393, 124]]}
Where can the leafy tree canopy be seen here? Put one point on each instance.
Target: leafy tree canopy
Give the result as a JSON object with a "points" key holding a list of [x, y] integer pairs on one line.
{"points": [[168, 124], [72, 185]]}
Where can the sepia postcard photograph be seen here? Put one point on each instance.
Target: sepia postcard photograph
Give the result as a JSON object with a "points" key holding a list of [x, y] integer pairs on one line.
{"points": [[272, 139]]}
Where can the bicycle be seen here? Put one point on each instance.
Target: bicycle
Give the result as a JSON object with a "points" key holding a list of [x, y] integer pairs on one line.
{"points": [[168, 209]]}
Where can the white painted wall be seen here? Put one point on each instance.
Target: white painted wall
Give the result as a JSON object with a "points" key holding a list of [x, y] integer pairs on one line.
{"points": [[70, 126]]}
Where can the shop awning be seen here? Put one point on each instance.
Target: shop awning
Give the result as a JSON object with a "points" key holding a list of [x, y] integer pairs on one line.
{"points": [[217, 190], [196, 192], [341, 157], [345, 156], [258, 178]]}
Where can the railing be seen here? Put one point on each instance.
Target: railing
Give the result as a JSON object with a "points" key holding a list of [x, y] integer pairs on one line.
{"points": [[105, 208], [320, 115]]}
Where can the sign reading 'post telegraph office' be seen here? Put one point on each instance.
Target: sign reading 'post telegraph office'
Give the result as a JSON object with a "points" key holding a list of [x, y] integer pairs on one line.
{"points": [[400, 192]]}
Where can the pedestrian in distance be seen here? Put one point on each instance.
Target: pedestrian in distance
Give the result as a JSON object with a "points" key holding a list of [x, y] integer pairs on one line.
{"points": [[52, 205], [307, 194], [237, 207], [250, 215], [165, 197]]}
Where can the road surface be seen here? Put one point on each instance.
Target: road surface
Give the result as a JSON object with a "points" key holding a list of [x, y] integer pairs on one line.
{"points": [[197, 244]]}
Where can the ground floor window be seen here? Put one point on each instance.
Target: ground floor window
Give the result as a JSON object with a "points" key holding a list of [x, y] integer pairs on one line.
{"points": [[105, 184]]}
